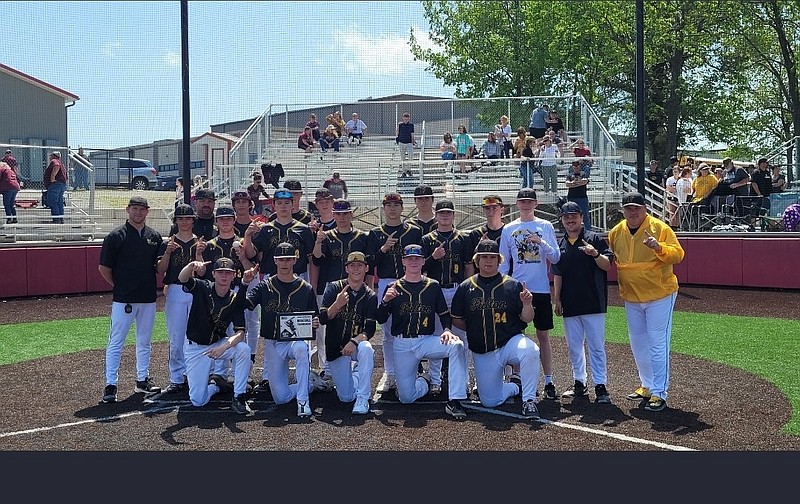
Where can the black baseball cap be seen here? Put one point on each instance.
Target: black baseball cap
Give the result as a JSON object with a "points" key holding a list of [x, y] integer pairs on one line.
{"points": [[184, 210], [323, 193], [138, 201], [342, 206], [423, 191], [413, 251], [224, 211], [570, 207], [633, 199], [293, 185], [240, 195], [445, 206], [356, 257], [487, 247], [224, 264], [526, 193], [285, 250], [674, 159], [205, 194]]}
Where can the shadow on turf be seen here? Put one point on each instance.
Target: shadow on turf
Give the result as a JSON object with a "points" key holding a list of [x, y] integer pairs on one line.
{"points": [[676, 421], [591, 413]]}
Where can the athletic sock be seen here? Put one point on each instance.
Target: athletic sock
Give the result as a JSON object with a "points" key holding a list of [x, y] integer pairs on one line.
{"points": [[548, 378]]}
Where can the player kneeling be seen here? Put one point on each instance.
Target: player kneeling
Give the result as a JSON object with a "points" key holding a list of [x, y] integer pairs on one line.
{"points": [[214, 308], [413, 301], [494, 310], [348, 311]]}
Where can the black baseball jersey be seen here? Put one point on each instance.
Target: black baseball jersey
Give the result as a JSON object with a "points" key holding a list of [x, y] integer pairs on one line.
{"points": [[223, 247], [449, 270], [179, 258], [276, 297], [273, 233], [478, 233], [239, 228], [211, 314], [425, 226], [201, 227], [301, 215], [357, 317], [414, 308], [132, 257], [390, 264], [335, 249], [584, 286], [491, 309]]}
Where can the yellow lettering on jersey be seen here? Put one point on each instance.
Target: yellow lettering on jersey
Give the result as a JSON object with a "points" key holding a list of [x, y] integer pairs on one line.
{"points": [[499, 318]]}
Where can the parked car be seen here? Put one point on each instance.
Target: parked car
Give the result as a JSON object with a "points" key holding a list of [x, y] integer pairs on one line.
{"points": [[166, 182], [127, 172]]}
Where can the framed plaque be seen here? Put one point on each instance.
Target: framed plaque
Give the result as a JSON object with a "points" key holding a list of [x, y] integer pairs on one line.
{"points": [[295, 326]]}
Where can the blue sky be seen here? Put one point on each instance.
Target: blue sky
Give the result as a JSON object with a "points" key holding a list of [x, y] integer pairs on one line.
{"points": [[123, 60]]}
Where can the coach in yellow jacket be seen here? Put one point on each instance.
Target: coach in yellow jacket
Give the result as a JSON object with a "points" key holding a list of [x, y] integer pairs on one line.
{"points": [[645, 249]]}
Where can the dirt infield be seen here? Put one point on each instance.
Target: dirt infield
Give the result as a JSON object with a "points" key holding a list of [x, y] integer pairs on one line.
{"points": [[711, 407]]}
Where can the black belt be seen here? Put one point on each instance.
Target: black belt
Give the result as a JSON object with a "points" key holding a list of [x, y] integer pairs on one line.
{"points": [[412, 336], [450, 286]]}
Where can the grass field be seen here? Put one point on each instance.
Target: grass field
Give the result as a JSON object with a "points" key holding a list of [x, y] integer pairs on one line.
{"points": [[769, 348]]}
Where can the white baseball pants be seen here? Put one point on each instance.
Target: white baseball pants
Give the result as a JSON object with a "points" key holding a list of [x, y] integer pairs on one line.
{"points": [[199, 367], [388, 339], [407, 354], [435, 365], [144, 314], [177, 304], [489, 370], [277, 355], [591, 330], [351, 383], [650, 330]]}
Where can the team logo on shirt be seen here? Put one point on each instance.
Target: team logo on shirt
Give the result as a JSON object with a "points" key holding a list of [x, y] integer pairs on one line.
{"points": [[527, 251], [480, 304]]}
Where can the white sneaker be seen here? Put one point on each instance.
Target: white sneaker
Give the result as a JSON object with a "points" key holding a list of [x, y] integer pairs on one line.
{"points": [[319, 383], [386, 384], [361, 407], [303, 409]]}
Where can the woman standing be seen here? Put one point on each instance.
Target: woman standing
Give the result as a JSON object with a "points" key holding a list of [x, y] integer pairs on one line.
{"points": [[9, 187], [503, 133]]}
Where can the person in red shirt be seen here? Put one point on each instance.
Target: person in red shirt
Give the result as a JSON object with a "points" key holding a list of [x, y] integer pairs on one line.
{"points": [[9, 187], [55, 184]]}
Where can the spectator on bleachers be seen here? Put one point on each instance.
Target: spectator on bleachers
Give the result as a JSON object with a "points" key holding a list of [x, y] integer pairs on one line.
{"points": [[526, 166], [465, 146], [548, 153], [355, 130], [672, 196], [581, 150], [306, 140], [447, 147], [538, 124], [703, 185], [329, 139], [404, 137], [520, 142], [683, 191], [503, 133], [736, 181], [778, 180], [550, 133], [256, 190], [492, 148], [760, 188], [791, 217], [335, 119], [336, 186], [577, 183], [314, 125], [554, 121]]}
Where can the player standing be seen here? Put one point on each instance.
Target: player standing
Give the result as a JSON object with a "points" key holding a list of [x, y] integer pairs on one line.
{"points": [[128, 260], [385, 247], [349, 309], [495, 309], [423, 199], [580, 294], [414, 301], [528, 244], [493, 209], [174, 254]]}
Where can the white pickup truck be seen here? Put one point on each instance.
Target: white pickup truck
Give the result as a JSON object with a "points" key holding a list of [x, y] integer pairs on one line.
{"points": [[127, 172]]}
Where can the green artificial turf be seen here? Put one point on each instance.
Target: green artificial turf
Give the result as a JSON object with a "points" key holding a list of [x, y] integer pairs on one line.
{"points": [[769, 348]]}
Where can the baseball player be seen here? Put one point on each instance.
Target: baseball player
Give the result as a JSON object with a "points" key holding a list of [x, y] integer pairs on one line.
{"points": [[448, 254], [495, 309], [423, 199], [331, 249], [645, 250], [281, 294], [580, 295], [414, 301], [349, 309], [493, 209], [214, 308], [385, 251], [128, 260], [174, 254], [528, 244], [242, 205], [299, 214], [204, 208]]}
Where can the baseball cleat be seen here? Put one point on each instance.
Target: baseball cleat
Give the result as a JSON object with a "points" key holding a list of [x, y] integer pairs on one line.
{"points": [[516, 380], [262, 387], [454, 409], [529, 410], [361, 406], [303, 409], [110, 394], [319, 383], [577, 390], [550, 391], [175, 388], [146, 387], [240, 406], [221, 382], [655, 403], [601, 394], [639, 394], [386, 384]]}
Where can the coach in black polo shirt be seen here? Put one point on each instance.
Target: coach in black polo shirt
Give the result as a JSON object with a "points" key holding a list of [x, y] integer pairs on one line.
{"points": [[204, 206], [128, 263]]}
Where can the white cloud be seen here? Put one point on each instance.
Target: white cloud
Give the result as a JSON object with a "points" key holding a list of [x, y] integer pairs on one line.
{"points": [[375, 53], [110, 49], [172, 59]]}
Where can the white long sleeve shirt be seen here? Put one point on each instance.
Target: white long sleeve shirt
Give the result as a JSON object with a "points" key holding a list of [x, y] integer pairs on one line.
{"points": [[531, 261]]}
